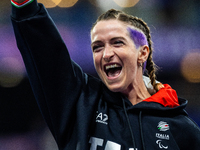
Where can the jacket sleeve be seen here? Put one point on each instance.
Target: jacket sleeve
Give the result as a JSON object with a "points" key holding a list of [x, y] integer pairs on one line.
{"points": [[56, 80], [187, 134]]}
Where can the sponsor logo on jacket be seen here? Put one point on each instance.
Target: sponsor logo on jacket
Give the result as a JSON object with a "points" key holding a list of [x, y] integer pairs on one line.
{"points": [[162, 127], [102, 118]]}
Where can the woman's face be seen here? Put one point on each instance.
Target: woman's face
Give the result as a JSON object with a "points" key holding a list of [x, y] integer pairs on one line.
{"points": [[115, 55]]}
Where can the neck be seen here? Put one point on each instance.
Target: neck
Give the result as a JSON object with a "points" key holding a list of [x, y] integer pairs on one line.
{"points": [[137, 92], [138, 95]]}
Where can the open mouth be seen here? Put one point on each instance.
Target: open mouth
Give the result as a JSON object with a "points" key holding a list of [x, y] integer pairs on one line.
{"points": [[113, 70]]}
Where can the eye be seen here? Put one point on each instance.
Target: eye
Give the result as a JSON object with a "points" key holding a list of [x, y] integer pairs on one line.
{"points": [[118, 43], [97, 48]]}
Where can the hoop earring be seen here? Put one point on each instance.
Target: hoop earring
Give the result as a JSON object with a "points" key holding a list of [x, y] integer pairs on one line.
{"points": [[140, 65]]}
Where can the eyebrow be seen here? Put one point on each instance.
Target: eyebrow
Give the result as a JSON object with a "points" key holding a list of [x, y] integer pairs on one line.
{"points": [[95, 42], [115, 38], [112, 39]]}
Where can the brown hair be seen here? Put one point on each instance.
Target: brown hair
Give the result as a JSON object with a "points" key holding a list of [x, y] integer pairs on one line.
{"points": [[141, 25]]}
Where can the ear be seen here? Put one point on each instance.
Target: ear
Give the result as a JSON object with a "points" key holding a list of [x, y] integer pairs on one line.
{"points": [[143, 53]]}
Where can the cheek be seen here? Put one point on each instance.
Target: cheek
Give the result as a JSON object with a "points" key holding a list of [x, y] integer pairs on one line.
{"points": [[131, 61], [96, 60], [129, 55], [97, 65]]}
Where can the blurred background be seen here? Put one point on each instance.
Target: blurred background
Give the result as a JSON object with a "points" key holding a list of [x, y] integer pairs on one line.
{"points": [[175, 30]]}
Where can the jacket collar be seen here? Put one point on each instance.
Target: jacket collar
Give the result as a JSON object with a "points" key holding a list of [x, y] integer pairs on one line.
{"points": [[165, 96]]}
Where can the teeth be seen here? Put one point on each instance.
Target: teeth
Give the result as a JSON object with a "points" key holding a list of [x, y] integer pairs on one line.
{"points": [[112, 66]]}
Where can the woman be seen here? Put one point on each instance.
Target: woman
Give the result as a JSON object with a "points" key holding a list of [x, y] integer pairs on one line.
{"points": [[114, 113]]}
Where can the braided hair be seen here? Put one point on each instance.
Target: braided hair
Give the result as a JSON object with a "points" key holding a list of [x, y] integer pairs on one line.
{"points": [[141, 25]]}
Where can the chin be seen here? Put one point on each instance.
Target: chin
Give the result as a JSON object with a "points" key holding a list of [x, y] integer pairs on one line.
{"points": [[114, 89]]}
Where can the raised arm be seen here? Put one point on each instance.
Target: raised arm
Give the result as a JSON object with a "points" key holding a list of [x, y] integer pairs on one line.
{"points": [[55, 79]]}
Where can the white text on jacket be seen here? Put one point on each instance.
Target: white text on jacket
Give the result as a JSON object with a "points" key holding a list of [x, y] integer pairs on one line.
{"points": [[108, 146]]}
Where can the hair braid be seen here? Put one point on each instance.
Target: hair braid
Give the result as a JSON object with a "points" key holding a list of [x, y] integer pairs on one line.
{"points": [[151, 68]]}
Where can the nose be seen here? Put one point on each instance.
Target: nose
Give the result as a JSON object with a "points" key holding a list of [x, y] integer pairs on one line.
{"points": [[108, 53]]}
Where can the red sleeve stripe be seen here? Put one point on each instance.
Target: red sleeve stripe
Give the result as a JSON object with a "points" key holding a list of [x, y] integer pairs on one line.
{"points": [[19, 5]]}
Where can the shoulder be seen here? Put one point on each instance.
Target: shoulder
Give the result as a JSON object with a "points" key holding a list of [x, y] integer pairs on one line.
{"points": [[186, 132]]}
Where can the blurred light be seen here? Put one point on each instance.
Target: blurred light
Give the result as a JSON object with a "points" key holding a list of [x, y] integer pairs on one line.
{"points": [[67, 3], [105, 5], [12, 68], [11, 72], [60, 3], [126, 3], [190, 67], [49, 3], [116, 4]]}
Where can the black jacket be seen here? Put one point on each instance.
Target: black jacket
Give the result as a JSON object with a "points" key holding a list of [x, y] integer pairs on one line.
{"points": [[80, 111]]}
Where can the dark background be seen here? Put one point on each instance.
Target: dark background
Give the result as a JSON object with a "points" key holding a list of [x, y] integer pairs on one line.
{"points": [[175, 33]]}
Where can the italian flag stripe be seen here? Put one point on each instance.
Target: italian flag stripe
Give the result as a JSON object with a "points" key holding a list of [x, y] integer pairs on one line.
{"points": [[19, 5]]}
